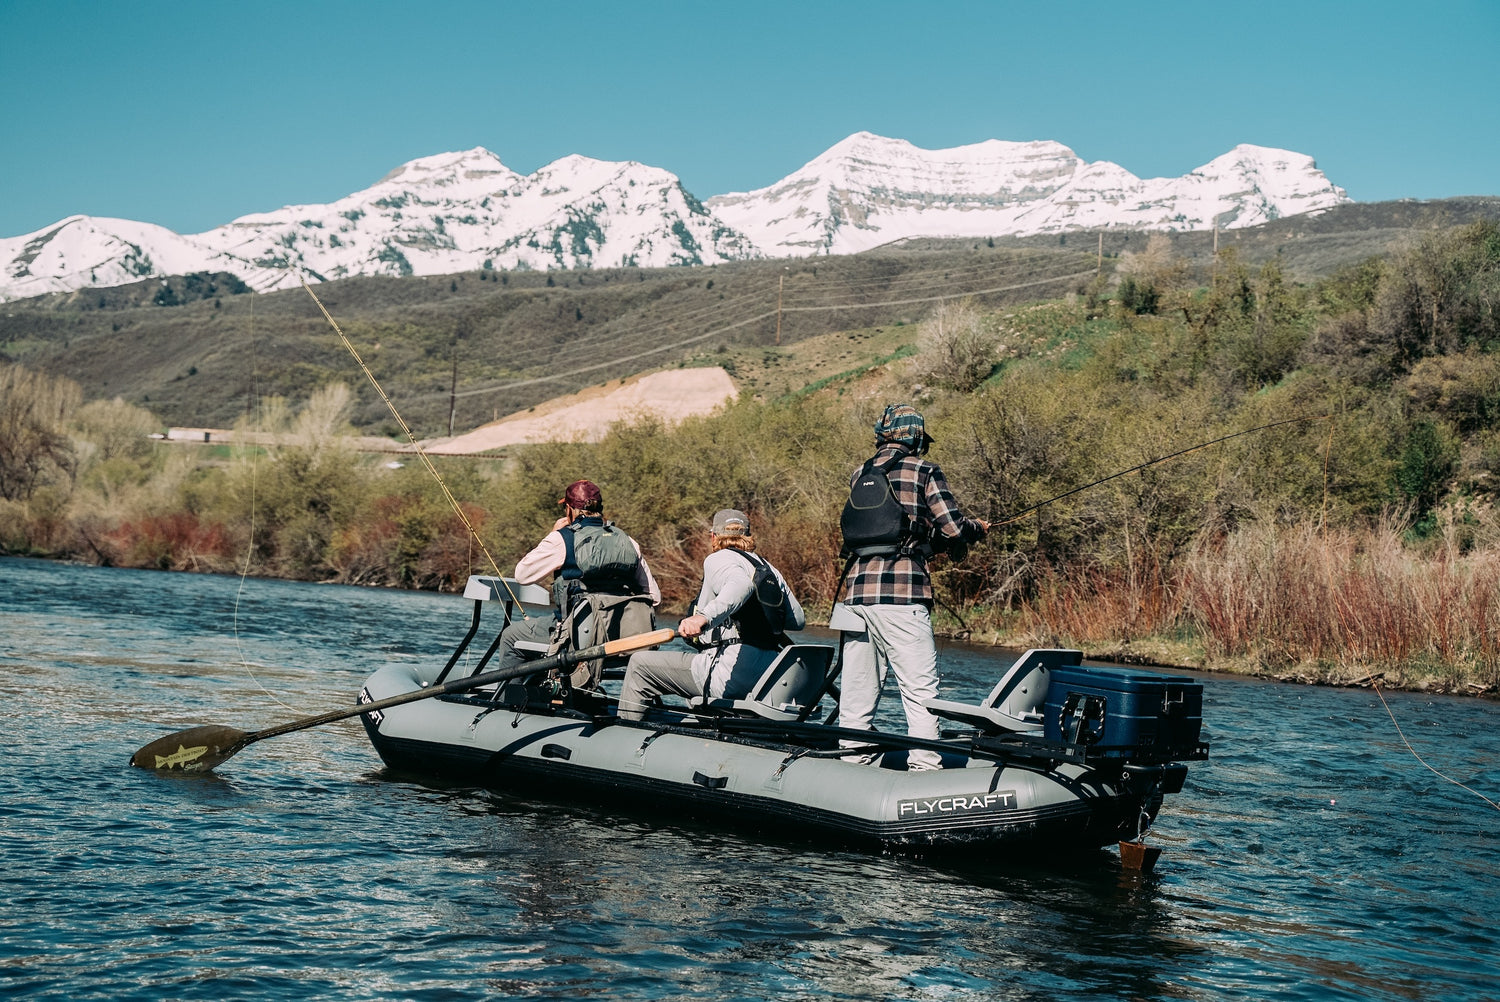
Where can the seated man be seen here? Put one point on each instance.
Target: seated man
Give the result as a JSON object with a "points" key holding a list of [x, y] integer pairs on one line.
{"points": [[729, 623], [595, 562]]}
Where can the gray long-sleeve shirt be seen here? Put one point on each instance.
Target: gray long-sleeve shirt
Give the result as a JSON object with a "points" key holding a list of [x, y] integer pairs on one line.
{"points": [[728, 583]]}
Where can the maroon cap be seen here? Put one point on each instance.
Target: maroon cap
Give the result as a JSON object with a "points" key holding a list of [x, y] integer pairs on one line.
{"points": [[583, 495]]}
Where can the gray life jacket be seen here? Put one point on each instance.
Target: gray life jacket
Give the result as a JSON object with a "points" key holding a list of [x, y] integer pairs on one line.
{"points": [[598, 557], [597, 596]]}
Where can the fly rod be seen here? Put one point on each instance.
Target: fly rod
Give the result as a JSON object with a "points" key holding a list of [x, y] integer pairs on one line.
{"points": [[1152, 462]]}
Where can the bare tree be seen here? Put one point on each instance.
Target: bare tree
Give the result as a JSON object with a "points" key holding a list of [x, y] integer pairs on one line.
{"points": [[34, 445]]}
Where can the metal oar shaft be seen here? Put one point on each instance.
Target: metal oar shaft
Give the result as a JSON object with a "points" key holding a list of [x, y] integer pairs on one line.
{"points": [[200, 749], [621, 646]]}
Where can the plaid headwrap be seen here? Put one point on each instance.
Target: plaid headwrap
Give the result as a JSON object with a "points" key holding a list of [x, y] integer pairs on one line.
{"points": [[902, 423]]}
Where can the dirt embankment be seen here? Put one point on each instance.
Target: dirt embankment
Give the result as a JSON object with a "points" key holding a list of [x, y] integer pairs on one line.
{"points": [[672, 394]]}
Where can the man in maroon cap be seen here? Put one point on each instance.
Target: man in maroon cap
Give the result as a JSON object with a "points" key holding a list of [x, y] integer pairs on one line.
{"points": [[590, 558]]}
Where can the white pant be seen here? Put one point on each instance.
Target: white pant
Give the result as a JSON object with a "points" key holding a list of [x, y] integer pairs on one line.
{"points": [[896, 638]]}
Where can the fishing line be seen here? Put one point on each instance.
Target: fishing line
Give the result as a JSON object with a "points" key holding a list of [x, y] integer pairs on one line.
{"points": [[1326, 459], [1327, 455], [416, 446], [255, 400], [1376, 686], [1152, 462]]}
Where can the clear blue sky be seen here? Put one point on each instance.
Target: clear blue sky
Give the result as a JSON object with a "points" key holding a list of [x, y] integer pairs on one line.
{"points": [[190, 114]]}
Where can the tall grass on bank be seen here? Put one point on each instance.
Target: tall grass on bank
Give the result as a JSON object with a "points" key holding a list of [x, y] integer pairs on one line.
{"points": [[1334, 605], [1346, 602], [1102, 608]]}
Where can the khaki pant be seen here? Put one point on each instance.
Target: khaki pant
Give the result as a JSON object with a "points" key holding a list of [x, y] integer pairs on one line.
{"points": [[897, 639], [653, 673]]}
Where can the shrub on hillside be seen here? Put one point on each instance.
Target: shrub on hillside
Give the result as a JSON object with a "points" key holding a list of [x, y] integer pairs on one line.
{"points": [[34, 446], [958, 346], [115, 428]]}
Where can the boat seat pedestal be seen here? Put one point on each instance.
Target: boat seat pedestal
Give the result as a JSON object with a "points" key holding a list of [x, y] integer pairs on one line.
{"points": [[1015, 704]]}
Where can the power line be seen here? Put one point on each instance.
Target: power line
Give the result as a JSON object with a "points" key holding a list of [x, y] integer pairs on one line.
{"points": [[679, 343]]}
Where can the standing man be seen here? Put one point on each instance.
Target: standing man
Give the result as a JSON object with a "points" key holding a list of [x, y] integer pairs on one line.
{"points": [[899, 505], [590, 557]]}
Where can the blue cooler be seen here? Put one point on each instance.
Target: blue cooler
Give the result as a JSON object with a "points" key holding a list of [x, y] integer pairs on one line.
{"points": [[1123, 713]]}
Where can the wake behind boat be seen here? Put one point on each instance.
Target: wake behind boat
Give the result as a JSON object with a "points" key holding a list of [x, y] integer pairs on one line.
{"points": [[1058, 754]]}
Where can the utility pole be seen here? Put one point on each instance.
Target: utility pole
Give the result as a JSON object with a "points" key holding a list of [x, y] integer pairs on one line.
{"points": [[781, 284], [453, 392], [1216, 249], [1099, 270]]}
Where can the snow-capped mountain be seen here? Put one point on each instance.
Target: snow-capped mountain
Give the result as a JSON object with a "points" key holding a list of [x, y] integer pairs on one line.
{"points": [[868, 190], [459, 211], [432, 216]]}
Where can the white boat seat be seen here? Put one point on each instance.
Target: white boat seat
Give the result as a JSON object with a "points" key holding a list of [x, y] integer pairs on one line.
{"points": [[1015, 704], [789, 685], [487, 587]]}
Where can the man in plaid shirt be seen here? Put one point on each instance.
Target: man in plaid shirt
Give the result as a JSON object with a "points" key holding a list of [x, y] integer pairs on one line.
{"points": [[892, 594]]}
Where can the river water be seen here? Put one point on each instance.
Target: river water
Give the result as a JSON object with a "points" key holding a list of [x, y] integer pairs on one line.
{"points": [[1312, 857]]}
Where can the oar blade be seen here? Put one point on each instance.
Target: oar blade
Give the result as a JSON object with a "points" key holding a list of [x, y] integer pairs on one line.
{"points": [[197, 749]]}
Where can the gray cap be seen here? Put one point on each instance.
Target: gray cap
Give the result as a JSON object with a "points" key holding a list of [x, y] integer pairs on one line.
{"points": [[730, 522]]}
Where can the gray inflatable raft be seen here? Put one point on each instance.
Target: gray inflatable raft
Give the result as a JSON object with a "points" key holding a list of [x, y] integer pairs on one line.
{"points": [[1059, 754]]}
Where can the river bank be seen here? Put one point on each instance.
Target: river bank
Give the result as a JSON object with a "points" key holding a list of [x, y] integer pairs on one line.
{"points": [[1175, 652], [1178, 655]]}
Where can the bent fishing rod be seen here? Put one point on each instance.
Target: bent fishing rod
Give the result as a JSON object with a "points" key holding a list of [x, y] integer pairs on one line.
{"points": [[1152, 462], [416, 445]]}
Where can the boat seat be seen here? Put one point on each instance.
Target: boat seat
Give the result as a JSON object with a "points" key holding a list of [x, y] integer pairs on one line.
{"points": [[482, 588], [1015, 704], [789, 685], [485, 587]]}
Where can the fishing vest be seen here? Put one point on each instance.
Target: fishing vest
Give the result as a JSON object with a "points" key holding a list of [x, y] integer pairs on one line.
{"points": [[598, 556], [596, 593], [874, 523]]}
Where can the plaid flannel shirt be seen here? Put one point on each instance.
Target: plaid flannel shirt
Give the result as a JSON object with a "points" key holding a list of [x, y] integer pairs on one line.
{"points": [[923, 491]]}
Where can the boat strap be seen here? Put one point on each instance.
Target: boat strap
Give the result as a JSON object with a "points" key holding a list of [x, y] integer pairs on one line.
{"points": [[647, 743], [794, 756]]}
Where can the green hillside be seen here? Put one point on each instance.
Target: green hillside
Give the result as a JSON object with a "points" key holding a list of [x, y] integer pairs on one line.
{"points": [[511, 339], [198, 350]]}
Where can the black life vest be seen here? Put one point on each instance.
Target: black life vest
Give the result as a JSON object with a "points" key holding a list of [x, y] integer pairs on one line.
{"points": [[762, 620], [874, 523]]}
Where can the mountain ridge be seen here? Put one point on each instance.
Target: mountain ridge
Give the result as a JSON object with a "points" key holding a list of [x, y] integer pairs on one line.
{"points": [[195, 348], [465, 210]]}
